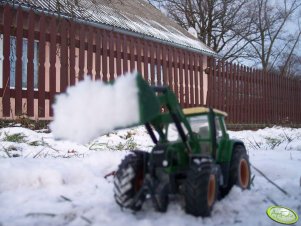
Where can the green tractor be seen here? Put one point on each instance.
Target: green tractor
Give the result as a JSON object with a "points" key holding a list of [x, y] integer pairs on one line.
{"points": [[193, 157]]}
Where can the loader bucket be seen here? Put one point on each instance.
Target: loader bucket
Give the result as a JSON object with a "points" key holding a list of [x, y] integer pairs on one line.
{"points": [[148, 102], [93, 108]]}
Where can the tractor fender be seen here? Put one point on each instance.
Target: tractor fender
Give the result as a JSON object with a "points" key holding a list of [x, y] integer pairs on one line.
{"points": [[232, 144]]}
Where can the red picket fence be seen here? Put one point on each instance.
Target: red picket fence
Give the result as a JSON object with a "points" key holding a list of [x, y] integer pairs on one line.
{"points": [[59, 52], [251, 96], [41, 55]]}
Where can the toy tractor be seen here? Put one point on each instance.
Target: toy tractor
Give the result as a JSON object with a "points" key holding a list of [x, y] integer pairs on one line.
{"points": [[192, 157]]}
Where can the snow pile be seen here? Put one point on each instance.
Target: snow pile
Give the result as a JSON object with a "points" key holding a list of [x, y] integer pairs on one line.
{"points": [[276, 138], [71, 190], [93, 108]]}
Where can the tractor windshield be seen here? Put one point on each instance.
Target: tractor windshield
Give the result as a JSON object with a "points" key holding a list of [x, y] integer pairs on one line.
{"points": [[200, 125], [172, 132]]}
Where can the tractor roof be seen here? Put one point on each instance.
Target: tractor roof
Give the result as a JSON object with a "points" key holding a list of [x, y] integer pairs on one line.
{"points": [[201, 110]]}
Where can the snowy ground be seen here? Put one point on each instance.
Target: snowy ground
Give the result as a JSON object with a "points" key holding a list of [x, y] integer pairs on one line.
{"points": [[48, 182]]}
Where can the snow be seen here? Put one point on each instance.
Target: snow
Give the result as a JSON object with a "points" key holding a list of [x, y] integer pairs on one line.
{"points": [[124, 19], [85, 112], [55, 182], [193, 32]]}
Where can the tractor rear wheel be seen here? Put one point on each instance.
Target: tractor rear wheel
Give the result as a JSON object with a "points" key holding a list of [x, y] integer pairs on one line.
{"points": [[240, 173], [200, 190], [129, 180]]}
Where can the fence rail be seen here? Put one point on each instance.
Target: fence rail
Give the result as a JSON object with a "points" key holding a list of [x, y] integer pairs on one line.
{"points": [[41, 55]]}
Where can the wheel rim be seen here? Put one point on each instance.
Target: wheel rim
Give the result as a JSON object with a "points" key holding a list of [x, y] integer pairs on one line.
{"points": [[244, 174], [211, 190]]}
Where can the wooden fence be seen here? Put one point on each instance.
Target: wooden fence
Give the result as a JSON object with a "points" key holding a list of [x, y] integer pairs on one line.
{"points": [[251, 96], [59, 52], [42, 55]]}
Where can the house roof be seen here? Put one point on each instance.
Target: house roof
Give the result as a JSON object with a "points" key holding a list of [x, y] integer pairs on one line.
{"points": [[137, 16]]}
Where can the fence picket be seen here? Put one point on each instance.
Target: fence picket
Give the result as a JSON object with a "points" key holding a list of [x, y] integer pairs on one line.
{"points": [[170, 71], [191, 80], [132, 54], [90, 39], [158, 65], [164, 67], [139, 57], [196, 79], [72, 36], [186, 62], [176, 72], [145, 60], [125, 55], [104, 56], [18, 75], [152, 64], [81, 60], [111, 56], [118, 55], [201, 79], [41, 78], [30, 65], [63, 56], [181, 80], [52, 68]]}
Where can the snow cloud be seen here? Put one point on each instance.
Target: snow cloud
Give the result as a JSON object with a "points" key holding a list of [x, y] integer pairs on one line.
{"points": [[93, 108]]}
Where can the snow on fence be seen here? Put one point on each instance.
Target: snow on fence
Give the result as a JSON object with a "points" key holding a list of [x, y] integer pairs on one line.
{"points": [[41, 55]]}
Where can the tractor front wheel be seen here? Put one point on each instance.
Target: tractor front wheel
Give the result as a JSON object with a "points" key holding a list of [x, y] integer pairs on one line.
{"points": [[240, 173], [200, 190], [129, 180]]}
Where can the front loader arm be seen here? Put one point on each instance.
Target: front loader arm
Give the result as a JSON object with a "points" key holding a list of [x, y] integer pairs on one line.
{"points": [[169, 101]]}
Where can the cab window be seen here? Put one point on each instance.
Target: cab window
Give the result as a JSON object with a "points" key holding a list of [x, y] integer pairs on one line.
{"points": [[200, 125], [219, 132]]}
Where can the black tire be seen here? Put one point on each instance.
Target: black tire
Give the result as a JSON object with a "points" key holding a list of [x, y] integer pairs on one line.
{"points": [[161, 199], [240, 172], [200, 190], [129, 180]]}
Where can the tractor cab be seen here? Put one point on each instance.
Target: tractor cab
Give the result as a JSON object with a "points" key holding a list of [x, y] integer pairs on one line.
{"points": [[209, 128]]}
